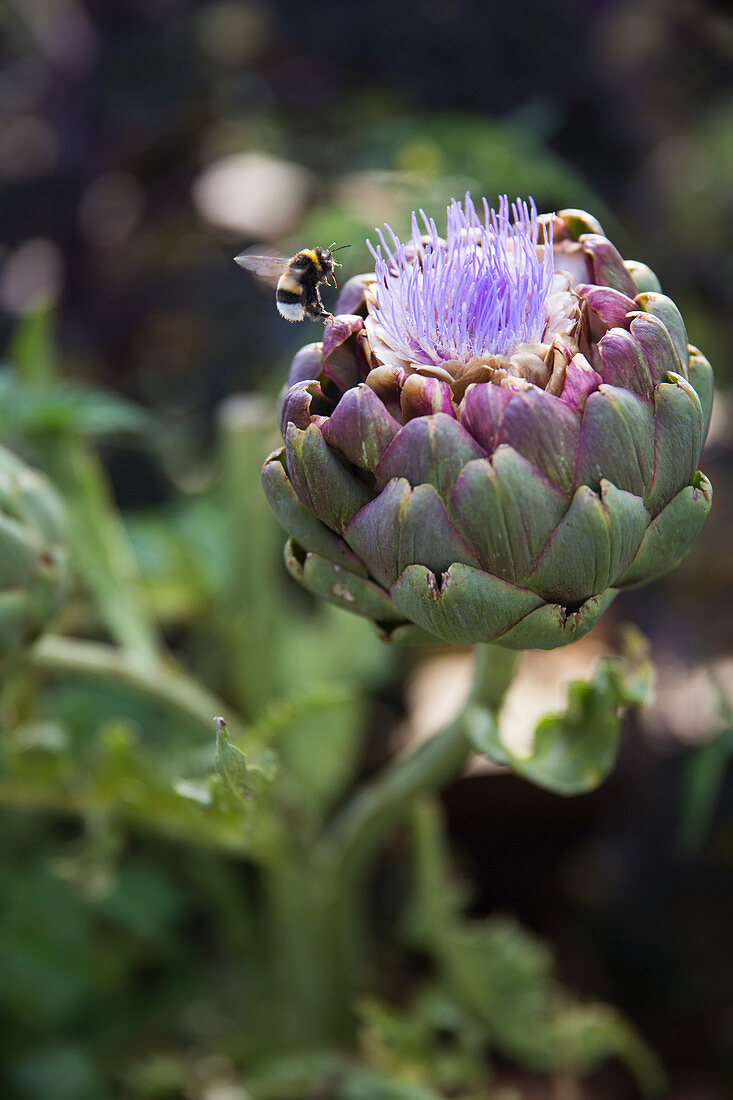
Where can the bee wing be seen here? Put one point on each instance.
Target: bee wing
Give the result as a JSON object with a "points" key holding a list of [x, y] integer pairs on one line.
{"points": [[266, 266]]}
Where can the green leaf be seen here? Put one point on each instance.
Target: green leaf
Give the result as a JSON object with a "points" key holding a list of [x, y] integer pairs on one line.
{"points": [[367, 1084], [495, 969], [432, 1041], [242, 781], [32, 346], [118, 777], [704, 777], [27, 409], [574, 751], [502, 978], [590, 1034]]}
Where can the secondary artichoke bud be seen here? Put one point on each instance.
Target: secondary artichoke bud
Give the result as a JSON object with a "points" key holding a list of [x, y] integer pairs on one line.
{"points": [[500, 431], [33, 556]]}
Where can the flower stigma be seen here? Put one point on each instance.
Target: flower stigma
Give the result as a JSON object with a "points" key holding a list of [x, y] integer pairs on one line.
{"points": [[480, 291]]}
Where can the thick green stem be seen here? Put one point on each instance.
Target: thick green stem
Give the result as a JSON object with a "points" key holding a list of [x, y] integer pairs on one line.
{"points": [[345, 855], [251, 614], [315, 905], [376, 808], [381, 805], [311, 990], [159, 682]]}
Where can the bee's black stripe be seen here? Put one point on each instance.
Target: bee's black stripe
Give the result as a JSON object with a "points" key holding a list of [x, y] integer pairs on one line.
{"points": [[288, 296]]}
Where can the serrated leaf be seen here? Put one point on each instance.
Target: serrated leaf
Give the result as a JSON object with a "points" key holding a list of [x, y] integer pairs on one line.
{"points": [[242, 781], [575, 750], [119, 776]]}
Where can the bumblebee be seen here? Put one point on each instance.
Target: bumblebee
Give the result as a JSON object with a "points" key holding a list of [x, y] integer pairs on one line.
{"points": [[299, 279]]}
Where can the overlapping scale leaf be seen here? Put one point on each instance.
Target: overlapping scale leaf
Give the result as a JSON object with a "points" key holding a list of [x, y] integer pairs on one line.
{"points": [[624, 363], [678, 439], [506, 511], [340, 586], [343, 361], [580, 382], [665, 311], [540, 427], [299, 521], [360, 427], [656, 345], [405, 526], [607, 264], [461, 605], [307, 364], [422, 396], [322, 483], [592, 546], [617, 441], [304, 403], [607, 308], [429, 450], [642, 276], [671, 534], [701, 379], [553, 624]]}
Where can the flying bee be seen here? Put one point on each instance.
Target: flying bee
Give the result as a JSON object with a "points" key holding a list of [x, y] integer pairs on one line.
{"points": [[299, 279]]}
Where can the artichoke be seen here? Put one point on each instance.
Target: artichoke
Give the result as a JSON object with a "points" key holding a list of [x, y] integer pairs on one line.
{"points": [[499, 432], [33, 555]]}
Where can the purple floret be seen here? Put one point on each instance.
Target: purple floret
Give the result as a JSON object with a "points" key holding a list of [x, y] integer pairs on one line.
{"points": [[480, 291]]}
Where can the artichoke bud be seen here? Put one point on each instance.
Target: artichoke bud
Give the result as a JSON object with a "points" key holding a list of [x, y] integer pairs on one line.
{"points": [[500, 430], [33, 553]]}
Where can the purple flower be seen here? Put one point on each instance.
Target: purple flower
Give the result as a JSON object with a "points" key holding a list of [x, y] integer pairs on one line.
{"points": [[480, 291], [499, 431]]}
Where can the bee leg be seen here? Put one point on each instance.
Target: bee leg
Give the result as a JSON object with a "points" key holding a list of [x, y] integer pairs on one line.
{"points": [[316, 309]]}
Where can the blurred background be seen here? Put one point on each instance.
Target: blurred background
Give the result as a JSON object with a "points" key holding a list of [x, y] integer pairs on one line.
{"points": [[142, 144]]}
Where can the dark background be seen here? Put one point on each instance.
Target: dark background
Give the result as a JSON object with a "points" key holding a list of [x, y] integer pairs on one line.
{"points": [[115, 118]]}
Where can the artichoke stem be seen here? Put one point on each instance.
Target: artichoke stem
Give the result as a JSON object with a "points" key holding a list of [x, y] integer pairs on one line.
{"points": [[355, 837], [380, 805]]}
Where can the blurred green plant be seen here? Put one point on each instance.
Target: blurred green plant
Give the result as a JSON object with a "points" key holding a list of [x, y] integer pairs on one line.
{"points": [[705, 773], [574, 751], [250, 768]]}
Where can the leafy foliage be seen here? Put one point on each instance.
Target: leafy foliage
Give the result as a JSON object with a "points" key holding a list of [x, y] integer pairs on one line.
{"points": [[502, 977], [574, 751], [241, 768]]}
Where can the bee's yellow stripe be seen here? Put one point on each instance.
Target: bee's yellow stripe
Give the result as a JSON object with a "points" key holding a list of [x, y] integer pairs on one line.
{"points": [[312, 255], [287, 283]]}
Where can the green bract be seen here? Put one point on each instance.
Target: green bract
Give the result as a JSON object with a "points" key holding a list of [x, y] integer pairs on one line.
{"points": [[33, 556], [496, 497]]}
